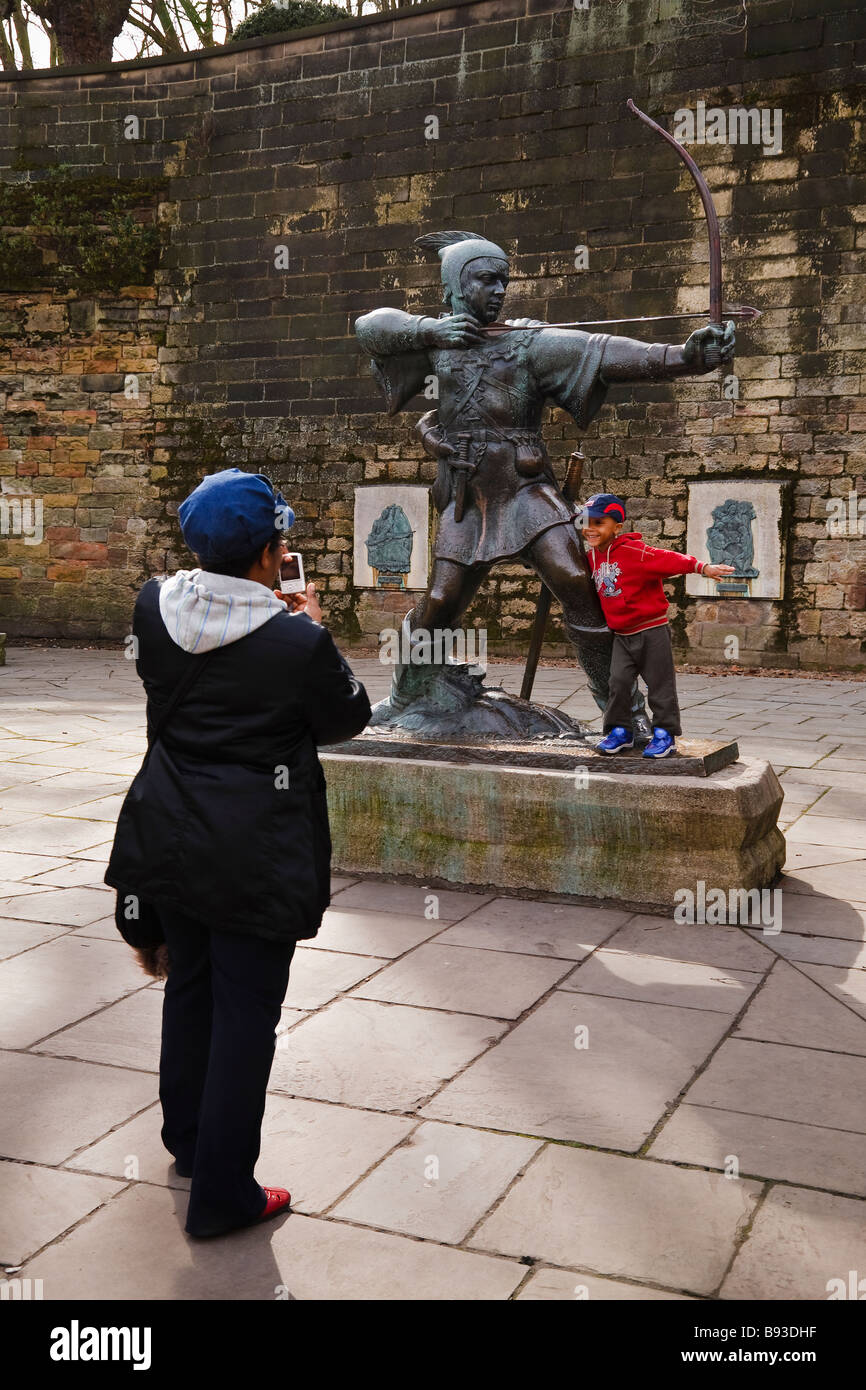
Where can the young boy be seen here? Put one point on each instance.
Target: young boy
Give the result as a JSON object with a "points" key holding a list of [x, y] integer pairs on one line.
{"points": [[628, 574]]}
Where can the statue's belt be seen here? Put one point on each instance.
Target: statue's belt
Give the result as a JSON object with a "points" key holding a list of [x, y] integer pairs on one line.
{"points": [[530, 459], [482, 435]]}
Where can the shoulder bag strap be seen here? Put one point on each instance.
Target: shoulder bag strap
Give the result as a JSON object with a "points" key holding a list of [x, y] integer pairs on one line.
{"points": [[183, 685]]}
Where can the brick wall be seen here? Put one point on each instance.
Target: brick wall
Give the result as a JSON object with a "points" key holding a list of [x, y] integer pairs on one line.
{"points": [[318, 143]]}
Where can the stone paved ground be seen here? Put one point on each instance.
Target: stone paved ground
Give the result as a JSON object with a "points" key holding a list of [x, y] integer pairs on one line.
{"points": [[429, 1107]]}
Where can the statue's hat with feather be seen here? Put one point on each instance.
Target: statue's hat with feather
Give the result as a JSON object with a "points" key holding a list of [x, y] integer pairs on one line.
{"points": [[455, 250]]}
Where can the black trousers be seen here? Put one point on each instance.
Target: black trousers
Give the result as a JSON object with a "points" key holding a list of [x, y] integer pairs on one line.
{"points": [[648, 654], [221, 1009]]}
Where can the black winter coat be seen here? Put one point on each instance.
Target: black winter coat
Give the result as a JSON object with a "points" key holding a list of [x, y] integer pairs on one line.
{"points": [[208, 825]]}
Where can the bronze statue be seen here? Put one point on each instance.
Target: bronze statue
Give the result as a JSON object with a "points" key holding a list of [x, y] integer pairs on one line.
{"points": [[495, 488]]}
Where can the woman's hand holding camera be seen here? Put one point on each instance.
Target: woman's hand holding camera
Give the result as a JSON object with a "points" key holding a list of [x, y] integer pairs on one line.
{"points": [[303, 603]]}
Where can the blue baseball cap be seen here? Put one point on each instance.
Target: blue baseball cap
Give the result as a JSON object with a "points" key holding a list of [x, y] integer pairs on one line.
{"points": [[232, 513], [605, 504]]}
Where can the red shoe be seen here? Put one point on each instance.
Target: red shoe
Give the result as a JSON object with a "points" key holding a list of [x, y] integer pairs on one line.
{"points": [[278, 1200]]}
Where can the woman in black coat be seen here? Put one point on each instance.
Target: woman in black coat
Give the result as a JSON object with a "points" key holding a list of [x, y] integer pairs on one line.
{"points": [[224, 831]]}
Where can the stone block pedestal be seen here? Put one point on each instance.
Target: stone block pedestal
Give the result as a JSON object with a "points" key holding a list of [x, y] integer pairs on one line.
{"points": [[595, 834]]}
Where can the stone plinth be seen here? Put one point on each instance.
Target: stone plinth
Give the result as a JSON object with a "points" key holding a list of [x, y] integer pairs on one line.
{"points": [[693, 757], [589, 833]]}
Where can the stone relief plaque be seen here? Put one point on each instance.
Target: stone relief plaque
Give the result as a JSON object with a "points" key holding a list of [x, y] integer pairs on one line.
{"points": [[737, 522], [391, 538]]}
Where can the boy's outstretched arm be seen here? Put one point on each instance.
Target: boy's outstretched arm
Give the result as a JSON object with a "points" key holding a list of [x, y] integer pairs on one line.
{"points": [[666, 563]]}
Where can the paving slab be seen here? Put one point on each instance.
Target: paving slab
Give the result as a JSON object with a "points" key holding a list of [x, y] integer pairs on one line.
{"points": [[315, 1150], [800, 1244], [60, 982], [622, 1216], [439, 1183], [811, 914], [11, 890], [730, 948], [85, 783], [316, 977], [811, 856], [16, 864], [63, 834], [100, 852], [341, 881], [764, 1148], [536, 928], [367, 933], [126, 1035], [102, 808], [38, 1204], [355, 1083], [800, 795], [381, 1056], [849, 986], [12, 772], [17, 936], [69, 757], [791, 1008], [494, 984], [409, 899], [840, 802], [824, 777], [611, 1092], [81, 873], [132, 1151], [50, 1107], [68, 907], [843, 881], [842, 764], [550, 1283], [786, 1083], [136, 1249], [39, 797], [105, 927], [780, 753], [660, 981], [821, 950], [841, 832]]}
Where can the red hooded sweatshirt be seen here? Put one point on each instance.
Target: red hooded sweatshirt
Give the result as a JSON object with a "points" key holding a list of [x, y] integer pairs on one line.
{"points": [[628, 574]]}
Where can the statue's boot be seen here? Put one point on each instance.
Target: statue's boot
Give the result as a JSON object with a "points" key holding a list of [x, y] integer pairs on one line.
{"points": [[435, 698], [402, 692]]}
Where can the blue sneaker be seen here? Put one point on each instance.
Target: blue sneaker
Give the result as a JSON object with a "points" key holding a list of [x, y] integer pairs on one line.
{"points": [[660, 744], [615, 741]]}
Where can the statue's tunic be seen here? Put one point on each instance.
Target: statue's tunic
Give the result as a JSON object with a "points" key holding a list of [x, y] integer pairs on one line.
{"points": [[495, 392]]}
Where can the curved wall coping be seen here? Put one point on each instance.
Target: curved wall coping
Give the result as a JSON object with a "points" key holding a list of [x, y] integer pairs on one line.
{"points": [[353, 29]]}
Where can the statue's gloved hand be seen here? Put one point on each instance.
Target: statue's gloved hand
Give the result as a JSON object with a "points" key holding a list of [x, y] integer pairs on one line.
{"points": [[432, 437], [709, 347], [455, 331]]}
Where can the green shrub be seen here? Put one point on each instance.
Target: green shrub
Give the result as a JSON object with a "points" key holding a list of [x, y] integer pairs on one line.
{"points": [[87, 226], [296, 14]]}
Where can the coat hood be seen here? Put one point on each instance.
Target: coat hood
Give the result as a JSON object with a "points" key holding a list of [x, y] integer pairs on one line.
{"points": [[202, 610]]}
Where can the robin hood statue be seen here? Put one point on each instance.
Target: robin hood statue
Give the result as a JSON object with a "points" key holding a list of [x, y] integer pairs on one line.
{"points": [[495, 490]]}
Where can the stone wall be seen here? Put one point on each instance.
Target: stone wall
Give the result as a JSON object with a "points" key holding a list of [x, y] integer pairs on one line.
{"points": [[318, 143]]}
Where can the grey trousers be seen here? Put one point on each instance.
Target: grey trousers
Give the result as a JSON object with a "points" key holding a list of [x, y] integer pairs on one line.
{"points": [[648, 654]]}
